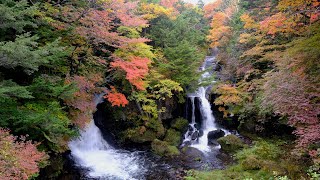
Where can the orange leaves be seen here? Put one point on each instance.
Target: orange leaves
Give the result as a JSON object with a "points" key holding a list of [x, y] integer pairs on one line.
{"points": [[136, 69], [221, 14], [249, 22], [126, 12], [210, 9], [308, 8], [219, 30], [314, 17], [98, 24], [219, 35], [277, 23], [219, 19], [115, 98]]}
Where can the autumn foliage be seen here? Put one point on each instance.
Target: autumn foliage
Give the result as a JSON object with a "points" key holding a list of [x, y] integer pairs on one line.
{"points": [[220, 14], [81, 101], [269, 55], [135, 69], [115, 98], [19, 159]]}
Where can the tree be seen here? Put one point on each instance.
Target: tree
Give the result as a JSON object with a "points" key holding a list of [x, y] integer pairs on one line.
{"points": [[16, 15], [200, 4], [25, 53]]}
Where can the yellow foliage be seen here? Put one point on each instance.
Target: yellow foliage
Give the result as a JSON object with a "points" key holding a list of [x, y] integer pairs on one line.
{"points": [[228, 95], [295, 4], [152, 11], [135, 49], [217, 34], [249, 22]]}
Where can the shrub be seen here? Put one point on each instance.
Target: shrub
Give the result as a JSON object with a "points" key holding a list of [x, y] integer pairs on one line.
{"points": [[19, 159], [230, 143], [173, 137], [162, 148]]}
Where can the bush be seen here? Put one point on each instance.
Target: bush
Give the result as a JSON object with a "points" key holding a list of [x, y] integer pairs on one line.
{"points": [[138, 136], [162, 148], [173, 137], [231, 143], [19, 159], [180, 124]]}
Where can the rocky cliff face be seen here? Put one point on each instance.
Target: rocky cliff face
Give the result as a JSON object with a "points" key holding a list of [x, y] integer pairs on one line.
{"points": [[122, 126]]}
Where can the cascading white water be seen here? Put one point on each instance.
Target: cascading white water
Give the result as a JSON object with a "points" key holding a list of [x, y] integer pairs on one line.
{"points": [[207, 118], [92, 152]]}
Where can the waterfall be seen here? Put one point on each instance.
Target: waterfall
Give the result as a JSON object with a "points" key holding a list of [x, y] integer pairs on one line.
{"points": [[90, 151], [196, 136]]}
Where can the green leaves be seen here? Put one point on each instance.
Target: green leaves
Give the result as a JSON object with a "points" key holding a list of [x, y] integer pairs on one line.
{"points": [[16, 15], [25, 52], [9, 89], [184, 60]]}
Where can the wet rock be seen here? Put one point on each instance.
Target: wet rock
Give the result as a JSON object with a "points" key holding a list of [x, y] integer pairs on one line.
{"points": [[197, 126], [213, 142], [187, 143], [200, 133], [213, 135], [190, 128], [195, 135], [190, 133], [191, 158]]}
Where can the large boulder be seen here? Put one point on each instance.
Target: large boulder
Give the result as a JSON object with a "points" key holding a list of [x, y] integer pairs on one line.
{"points": [[231, 143], [213, 135]]}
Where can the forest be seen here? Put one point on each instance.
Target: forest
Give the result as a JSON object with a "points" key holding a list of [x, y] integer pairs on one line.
{"points": [[142, 59]]}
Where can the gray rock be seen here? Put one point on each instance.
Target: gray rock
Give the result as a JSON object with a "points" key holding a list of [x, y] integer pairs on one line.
{"points": [[200, 133], [195, 135], [213, 135]]}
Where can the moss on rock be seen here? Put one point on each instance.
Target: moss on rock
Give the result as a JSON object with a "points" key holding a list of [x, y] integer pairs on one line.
{"points": [[163, 148], [231, 143]]}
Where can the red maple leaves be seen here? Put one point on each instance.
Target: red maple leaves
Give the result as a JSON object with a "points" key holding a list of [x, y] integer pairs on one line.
{"points": [[136, 69], [115, 98]]}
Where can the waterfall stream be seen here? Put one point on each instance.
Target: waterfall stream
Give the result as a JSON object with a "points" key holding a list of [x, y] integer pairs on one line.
{"points": [[99, 160], [197, 133], [91, 151]]}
